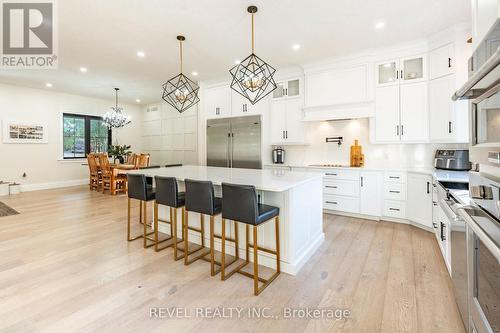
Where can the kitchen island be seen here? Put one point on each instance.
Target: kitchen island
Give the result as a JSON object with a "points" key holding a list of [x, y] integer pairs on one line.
{"points": [[297, 194]]}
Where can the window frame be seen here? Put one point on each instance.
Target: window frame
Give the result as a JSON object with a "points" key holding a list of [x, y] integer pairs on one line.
{"points": [[87, 119]]}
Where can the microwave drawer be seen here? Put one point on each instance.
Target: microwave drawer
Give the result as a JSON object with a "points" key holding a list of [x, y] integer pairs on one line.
{"points": [[395, 191], [340, 203], [341, 187], [335, 174], [396, 209]]}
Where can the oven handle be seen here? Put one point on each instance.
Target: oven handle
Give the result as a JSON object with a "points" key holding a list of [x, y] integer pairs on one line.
{"points": [[490, 245]]}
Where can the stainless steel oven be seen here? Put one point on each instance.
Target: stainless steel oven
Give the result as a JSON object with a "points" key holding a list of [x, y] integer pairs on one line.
{"points": [[486, 118]]}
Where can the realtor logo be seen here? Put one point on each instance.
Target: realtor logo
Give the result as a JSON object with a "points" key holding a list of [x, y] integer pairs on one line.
{"points": [[28, 35]]}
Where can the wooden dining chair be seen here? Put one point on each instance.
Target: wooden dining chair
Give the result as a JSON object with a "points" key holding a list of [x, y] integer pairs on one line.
{"points": [[142, 161], [109, 181], [95, 180], [131, 159]]}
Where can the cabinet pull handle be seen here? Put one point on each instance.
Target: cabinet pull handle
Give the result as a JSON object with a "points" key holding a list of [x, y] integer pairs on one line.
{"points": [[361, 181], [450, 129], [394, 192], [397, 130], [397, 75], [283, 134], [428, 188], [434, 225], [330, 174], [402, 75], [394, 177], [332, 202], [217, 110], [449, 62], [395, 209], [286, 92], [329, 186], [402, 130], [286, 134], [443, 238]]}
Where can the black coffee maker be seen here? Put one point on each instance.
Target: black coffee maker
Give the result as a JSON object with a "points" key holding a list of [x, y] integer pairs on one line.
{"points": [[278, 155]]}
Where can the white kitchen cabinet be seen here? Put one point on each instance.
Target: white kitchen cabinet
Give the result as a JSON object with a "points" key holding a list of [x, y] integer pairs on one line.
{"points": [[419, 197], [369, 183], [414, 112], [441, 61], [387, 113], [240, 106], [287, 88], [217, 102], [401, 113], [286, 123], [400, 71]]}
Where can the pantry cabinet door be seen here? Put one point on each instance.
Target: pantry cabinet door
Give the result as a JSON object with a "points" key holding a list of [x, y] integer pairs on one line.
{"points": [[277, 122], [414, 112], [294, 131], [387, 114], [441, 61], [441, 109]]}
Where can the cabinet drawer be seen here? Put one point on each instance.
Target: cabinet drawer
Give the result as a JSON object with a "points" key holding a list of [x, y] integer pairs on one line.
{"points": [[395, 191], [395, 209], [341, 187], [340, 203], [341, 174], [395, 177]]}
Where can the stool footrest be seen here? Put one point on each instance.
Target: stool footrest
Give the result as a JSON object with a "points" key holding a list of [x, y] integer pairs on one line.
{"points": [[198, 256], [235, 270]]}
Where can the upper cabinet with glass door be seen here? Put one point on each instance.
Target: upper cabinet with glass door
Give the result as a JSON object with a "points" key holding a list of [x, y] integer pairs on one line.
{"points": [[287, 89], [404, 70]]}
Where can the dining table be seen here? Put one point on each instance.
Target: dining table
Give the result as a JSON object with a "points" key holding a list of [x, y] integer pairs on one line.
{"points": [[116, 169]]}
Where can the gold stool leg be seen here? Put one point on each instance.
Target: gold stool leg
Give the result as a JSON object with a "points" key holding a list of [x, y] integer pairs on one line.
{"points": [[185, 235], [255, 263], [145, 222], [173, 219], [155, 205], [202, 226], [247, 247], [212, 250], [236, 243], [128, 219], [223, 251], [277, 225]]}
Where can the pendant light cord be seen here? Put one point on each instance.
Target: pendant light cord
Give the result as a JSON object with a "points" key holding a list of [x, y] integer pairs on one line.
{"points": [[253, 42], [181, 53], [116, 98]]}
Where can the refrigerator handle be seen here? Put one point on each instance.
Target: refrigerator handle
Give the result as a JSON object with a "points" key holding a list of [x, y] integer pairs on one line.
{"points": [[232, 148], [228, 150]]}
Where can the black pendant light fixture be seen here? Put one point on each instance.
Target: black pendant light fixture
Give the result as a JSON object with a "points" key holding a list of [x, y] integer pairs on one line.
{"points": [[253, 77], [180, 91]]}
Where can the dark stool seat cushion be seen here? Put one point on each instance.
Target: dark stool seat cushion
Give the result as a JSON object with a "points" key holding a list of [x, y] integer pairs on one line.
{"points": [[266, 213], [138, 188], [240, 204], [200, 197], [167, 192]]}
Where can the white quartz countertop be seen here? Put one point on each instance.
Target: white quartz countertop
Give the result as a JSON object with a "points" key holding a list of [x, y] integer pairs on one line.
{"points": [[262, 179]]}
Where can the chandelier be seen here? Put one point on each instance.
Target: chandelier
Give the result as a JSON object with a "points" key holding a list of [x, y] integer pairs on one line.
{"points": [[253, 77], [116, 118], [180, 92]]}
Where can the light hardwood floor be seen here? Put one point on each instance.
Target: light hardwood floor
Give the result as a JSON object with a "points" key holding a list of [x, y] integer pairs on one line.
{"points": [[65, 266]]}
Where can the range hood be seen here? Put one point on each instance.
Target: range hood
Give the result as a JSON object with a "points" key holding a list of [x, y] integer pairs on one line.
{"points": [[482, 79], [339, 111]]}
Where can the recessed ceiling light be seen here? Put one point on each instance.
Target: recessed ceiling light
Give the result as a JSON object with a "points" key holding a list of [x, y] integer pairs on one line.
{"points": [[194, 73], [237, 62], [137, 100], [48, 85], [141, 54], [296, 47], [83, 69], [379, 25]]}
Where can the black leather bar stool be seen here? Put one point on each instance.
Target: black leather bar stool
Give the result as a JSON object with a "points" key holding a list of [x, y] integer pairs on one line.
{"points": [[138, 189], [200, 198], [240, 204], [167, 194]]}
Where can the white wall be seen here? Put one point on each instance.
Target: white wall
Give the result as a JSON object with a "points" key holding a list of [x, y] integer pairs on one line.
{"points": [[42, 162], [376, 155]]}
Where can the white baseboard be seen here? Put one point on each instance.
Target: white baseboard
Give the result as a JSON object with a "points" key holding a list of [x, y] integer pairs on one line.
{"points": [[46, 186]]}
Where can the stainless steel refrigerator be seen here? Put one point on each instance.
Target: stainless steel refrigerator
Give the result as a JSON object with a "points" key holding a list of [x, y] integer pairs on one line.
{"points": [[234, 142]]}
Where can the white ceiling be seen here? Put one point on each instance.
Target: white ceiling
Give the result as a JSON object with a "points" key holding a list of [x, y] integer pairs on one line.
{"points": [[104, 36]]}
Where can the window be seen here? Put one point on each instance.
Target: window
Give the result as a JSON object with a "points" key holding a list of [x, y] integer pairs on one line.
{"points": [[83, 135]]}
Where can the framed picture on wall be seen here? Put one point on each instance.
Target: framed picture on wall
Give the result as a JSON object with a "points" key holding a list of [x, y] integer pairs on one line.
{"points": [[24, 132]]}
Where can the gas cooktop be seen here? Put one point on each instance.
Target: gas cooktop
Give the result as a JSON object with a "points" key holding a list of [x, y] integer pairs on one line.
{"points": [[330, 165]]}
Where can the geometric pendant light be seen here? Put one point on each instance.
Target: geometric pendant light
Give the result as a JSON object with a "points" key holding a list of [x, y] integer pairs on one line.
{"points": [[253, 78], [180, 91], [116, 118]]}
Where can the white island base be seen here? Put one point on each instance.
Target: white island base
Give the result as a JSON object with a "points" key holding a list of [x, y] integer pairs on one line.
{"points": [[297, 194]]}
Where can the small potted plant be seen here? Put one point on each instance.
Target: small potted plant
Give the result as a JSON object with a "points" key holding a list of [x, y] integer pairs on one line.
{"points": [[119, 152]]}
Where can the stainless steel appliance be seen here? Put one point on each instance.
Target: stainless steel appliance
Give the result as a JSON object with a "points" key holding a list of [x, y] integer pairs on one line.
{"points": [[452, 159], [483, 252], [278, 155], [234, 142]]}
